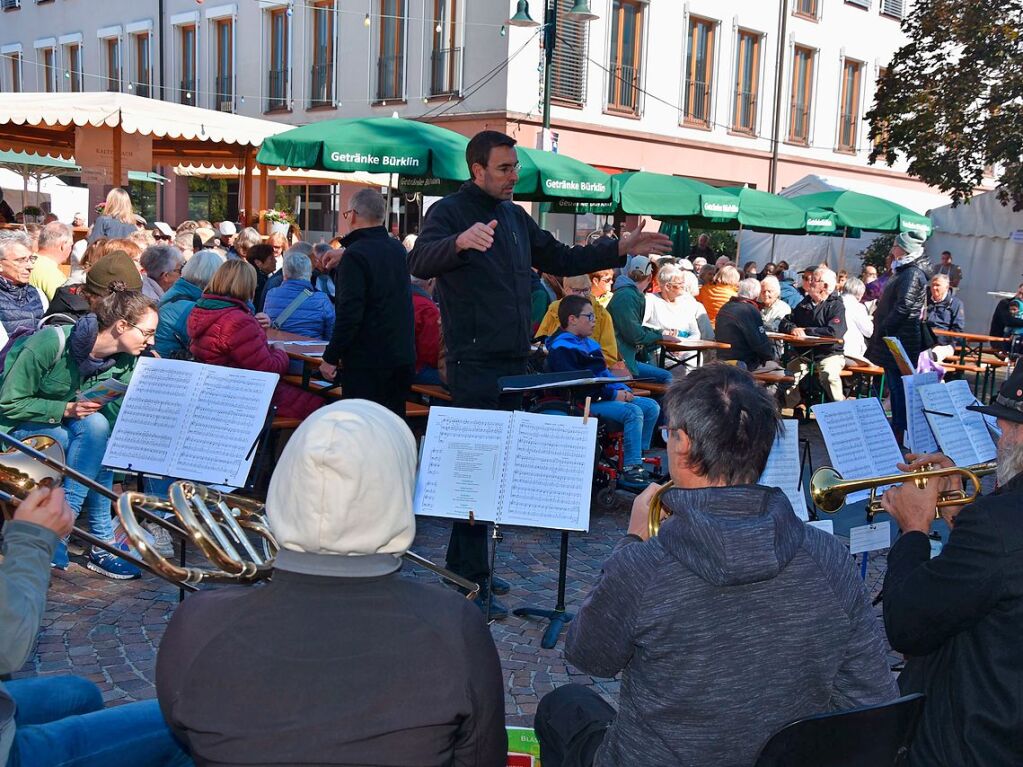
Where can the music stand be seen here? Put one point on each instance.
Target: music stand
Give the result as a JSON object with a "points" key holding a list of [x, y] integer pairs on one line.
{"points": [[558, 616]]}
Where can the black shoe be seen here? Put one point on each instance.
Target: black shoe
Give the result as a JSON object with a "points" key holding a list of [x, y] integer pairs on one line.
{"points": [[633, 480], [498, 612], [499, 586]]}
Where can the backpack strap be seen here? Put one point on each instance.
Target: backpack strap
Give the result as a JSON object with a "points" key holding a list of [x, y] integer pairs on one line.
{"points": [[291, 308]]}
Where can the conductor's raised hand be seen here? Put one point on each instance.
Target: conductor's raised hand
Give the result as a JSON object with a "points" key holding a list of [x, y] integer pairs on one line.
{"points": [[479, 236], [640, 243], [46, 508]]}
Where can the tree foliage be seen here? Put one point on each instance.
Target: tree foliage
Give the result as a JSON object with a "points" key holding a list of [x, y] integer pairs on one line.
{"points": [[952, 99]]}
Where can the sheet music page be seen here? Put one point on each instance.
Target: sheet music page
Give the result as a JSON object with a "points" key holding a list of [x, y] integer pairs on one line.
{"points": [[947, 424], [859, 440], [976, 426], [918, 430], [550, 472], [782, 470], [462, 462], [190, 421]]}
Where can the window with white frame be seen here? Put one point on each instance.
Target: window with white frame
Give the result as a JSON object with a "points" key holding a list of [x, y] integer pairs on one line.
{"points": [[445, 52], [625, 56], [111, 56], [699, 71], [571, 57], [141, 63], [188, 39], [321, 84], [278, 76], [73, 71], [849, 105], [46, 66], [391, 51], [223, 64], [747, 82], [13, 66]]}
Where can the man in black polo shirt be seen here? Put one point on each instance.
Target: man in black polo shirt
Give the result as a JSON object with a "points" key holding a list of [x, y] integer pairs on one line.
{"points": [[480, 247], [373, 330]]}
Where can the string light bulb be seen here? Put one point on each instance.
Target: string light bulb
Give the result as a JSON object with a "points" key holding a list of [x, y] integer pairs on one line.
{"points": [[438, 29], [365, 21], [503, 32]]}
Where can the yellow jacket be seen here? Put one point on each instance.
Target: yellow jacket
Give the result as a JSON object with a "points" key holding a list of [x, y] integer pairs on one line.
{"points": [[603, 330]]}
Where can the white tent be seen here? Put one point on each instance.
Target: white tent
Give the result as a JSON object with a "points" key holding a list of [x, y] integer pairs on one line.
{"points": [[985, 239], [806, 250]]}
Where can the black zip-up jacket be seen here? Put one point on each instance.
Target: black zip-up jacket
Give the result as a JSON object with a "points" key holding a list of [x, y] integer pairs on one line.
{"points": [[739, 324], [899, 312], [958, 618], [374, 327], [484, 296], [824, 319], [946, 314]]}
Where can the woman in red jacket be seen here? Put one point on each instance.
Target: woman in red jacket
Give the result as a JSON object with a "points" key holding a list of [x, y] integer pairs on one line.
{"points": [[225, 332]]}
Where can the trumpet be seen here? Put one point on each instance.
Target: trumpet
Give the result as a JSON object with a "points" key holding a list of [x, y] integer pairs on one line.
{"points": [[229, 530], [829, 490], [658, 510]]}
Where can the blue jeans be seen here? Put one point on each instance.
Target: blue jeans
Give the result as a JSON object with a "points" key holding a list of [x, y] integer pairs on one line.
{"points": [[84, 441], [639, 418], [653, 373], [61, 722]]}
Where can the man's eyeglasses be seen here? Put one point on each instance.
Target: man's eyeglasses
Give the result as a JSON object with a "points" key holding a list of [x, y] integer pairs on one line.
{"points": [[146, 334], [605, 279], [589, 316], [26, 260], [506, 170], [346, 214], [666, 434]]}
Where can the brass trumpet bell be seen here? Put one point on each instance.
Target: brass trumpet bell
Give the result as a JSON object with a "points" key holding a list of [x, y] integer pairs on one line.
{"points": [[658, 511]]}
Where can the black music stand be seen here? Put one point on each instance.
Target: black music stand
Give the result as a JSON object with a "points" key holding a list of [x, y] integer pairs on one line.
{"points": [[559, 616]]}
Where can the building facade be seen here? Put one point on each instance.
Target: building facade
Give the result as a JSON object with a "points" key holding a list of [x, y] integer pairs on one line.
{"points": [[728, 91]]}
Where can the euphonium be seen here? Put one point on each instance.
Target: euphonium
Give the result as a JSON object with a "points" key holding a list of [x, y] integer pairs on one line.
{"points": [[658, 510], [229, 530], [829, 490]]}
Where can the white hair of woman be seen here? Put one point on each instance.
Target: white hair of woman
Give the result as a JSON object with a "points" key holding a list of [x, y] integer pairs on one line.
{"points": [[749, 288], [199, 269]]}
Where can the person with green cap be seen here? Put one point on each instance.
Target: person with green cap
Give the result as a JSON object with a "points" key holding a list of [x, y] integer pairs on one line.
{"points": [[899, 314], [116, 271]]}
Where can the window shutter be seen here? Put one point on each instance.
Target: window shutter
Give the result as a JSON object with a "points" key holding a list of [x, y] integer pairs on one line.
{"points": [[860, 3], [894, 8], [568, 69]]}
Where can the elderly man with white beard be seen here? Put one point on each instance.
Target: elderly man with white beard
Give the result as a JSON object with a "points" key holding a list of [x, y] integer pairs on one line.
{"points": [[959, 616]]}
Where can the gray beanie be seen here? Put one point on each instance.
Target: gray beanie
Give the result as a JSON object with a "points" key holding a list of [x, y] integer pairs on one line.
{"points": [[911, 242]]}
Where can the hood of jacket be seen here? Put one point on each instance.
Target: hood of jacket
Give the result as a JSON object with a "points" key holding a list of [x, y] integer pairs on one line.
{"points": [[624, 281], [181, 290], [209, 310], [729, 536]]}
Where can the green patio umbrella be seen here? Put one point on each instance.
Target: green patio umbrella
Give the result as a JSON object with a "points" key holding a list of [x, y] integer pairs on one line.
{"points": [[766, 212], [371, 144], [863, 211], [543, 176], [671, 197]]}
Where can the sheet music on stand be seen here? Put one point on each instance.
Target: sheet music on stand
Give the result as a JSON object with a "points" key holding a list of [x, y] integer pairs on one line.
{"points": [[190, 421], [962, 434], [782, 470], [919, 437], [859, 440], [510, 468]]}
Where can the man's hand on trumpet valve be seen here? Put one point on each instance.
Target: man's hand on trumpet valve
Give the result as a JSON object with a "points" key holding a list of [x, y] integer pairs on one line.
{"points": [[639, 521], [912, 507]]}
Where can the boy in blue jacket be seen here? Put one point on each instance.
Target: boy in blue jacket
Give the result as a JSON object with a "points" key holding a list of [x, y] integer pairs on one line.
{"points": [[572, 348]]}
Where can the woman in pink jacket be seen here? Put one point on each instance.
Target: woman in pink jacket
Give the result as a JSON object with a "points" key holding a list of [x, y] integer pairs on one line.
{"points": [[224, 331]]}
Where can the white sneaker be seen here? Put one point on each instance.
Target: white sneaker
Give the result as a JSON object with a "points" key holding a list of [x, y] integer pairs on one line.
{"points": [[160, 539]]}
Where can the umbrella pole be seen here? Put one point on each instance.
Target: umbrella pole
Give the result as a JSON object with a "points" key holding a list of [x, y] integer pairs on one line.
{"points": [[738, 244], [841, 254], [390, 189], [774, 237]]}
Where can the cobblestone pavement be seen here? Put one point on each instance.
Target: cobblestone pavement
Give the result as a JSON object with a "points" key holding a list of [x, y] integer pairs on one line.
{"points": [[110, 631]]}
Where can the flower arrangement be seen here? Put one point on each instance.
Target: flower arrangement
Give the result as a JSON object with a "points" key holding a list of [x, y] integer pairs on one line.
{"points": [[33, 210], [279, 215]]}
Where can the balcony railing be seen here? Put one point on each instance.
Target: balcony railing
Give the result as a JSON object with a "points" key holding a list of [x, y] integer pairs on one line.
{"points": [[277, 89], [445, 71], [143, 89], [847, 132], [223, 97], [321, 89], [745, 111], [390, 78], [697, 102], [186, 92], [799, 123], [623, 89], [114, 83]]}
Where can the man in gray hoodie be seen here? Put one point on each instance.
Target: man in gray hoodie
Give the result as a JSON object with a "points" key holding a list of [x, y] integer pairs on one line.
{"points": [[735, 620]]}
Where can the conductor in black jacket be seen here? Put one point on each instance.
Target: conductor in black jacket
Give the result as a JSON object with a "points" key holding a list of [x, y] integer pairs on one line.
{"points": [[373, 330], [480, 247], [959, 616]]}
